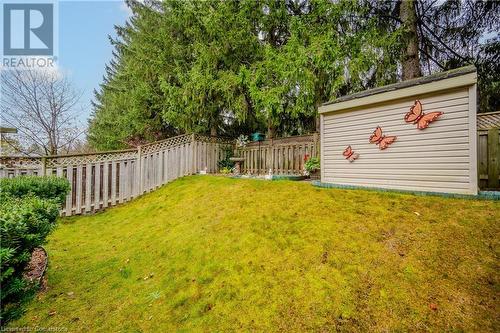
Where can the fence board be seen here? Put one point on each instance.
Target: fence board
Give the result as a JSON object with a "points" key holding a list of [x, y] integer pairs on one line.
{"points": [[122, 179], [69, 198], [488, 156], [113, 183], [153, 166], [137, 176], [141, 173], [159, 169], [97, 187], [88, 187], [132, 184], [105, 183], [149, 176], [493, 158], [79, 172]]}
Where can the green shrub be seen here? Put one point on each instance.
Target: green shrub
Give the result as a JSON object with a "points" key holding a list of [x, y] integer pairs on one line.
{"points": [[49, 187], [312, 164], [226, 170], [29, 207], [226, 163], [25, 224]]}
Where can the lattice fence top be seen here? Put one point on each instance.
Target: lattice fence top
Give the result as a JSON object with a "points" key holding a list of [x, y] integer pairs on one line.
{"points": [[181, 140], [10, 162], [53, 162], [167, 143], [119, 155], [212, 139], [13, 162]]}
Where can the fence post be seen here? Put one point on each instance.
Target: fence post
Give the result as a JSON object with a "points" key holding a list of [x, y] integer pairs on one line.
{"points": [[493, 160], [272, 155], [139, 166], [194, 151], [316, 143], [44, 166]]}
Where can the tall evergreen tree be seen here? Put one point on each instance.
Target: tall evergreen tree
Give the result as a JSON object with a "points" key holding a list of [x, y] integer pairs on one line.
{"points": [[411, 61], [226, 67]]}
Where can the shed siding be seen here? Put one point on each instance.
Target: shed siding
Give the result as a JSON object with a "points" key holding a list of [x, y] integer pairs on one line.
{"points": [[436, 159]]}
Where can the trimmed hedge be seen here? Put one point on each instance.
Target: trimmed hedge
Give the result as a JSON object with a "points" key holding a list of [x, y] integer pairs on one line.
{"points": [[49, 187], [29, 207]]}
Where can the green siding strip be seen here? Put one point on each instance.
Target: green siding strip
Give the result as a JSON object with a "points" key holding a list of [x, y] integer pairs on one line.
{"points": [[483, 195], [274, 177], [288, 177]]}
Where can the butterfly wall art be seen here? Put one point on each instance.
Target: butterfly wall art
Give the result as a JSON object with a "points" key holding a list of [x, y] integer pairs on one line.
{"points": [[350, 155], [381, 140], [416, 116]]}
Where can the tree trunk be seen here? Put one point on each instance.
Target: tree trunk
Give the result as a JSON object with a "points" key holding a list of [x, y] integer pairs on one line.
{"points": [[52, 147], [271, 131], [317, 117], [213, 130], [411, 62]]}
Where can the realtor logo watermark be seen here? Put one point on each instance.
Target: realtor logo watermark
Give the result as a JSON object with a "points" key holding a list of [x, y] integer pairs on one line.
{"points": [[29, 38]]}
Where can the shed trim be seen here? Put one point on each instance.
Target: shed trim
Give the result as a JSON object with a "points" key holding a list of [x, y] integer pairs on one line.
{"points": [[473, 172], [462, 77], [322, 146]]}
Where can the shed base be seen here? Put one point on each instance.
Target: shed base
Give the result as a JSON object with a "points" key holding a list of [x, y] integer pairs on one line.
{"points": [[482, 195]]}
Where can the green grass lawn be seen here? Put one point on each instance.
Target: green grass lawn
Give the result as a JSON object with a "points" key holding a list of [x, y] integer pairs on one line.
{"points": [[216, 254]]}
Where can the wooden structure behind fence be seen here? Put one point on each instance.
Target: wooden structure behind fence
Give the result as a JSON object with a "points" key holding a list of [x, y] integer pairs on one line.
{"points": [[283, 156], [100, 180], [489, 158]]}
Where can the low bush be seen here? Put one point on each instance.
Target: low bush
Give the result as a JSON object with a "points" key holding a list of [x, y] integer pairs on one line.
{"points": [[226, 163], [49, 187], [226, 170], [312, 164], [29, 208]]}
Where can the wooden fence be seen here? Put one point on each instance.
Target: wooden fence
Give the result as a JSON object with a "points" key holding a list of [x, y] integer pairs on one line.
{"points": [[100, 180], [104, 179], [489, 158], [283, 156]]}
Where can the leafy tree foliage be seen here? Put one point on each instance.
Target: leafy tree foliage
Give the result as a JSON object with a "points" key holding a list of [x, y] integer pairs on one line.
{"points": [[232, 67], [455, 33]]}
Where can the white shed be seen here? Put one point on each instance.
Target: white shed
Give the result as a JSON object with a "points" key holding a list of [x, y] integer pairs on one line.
{"points": [[427, 140]]}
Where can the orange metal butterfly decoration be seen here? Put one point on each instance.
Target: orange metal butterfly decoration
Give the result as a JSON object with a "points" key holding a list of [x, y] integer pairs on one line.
{"points": [[350, 155], [422, 120], [381, 140]]}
